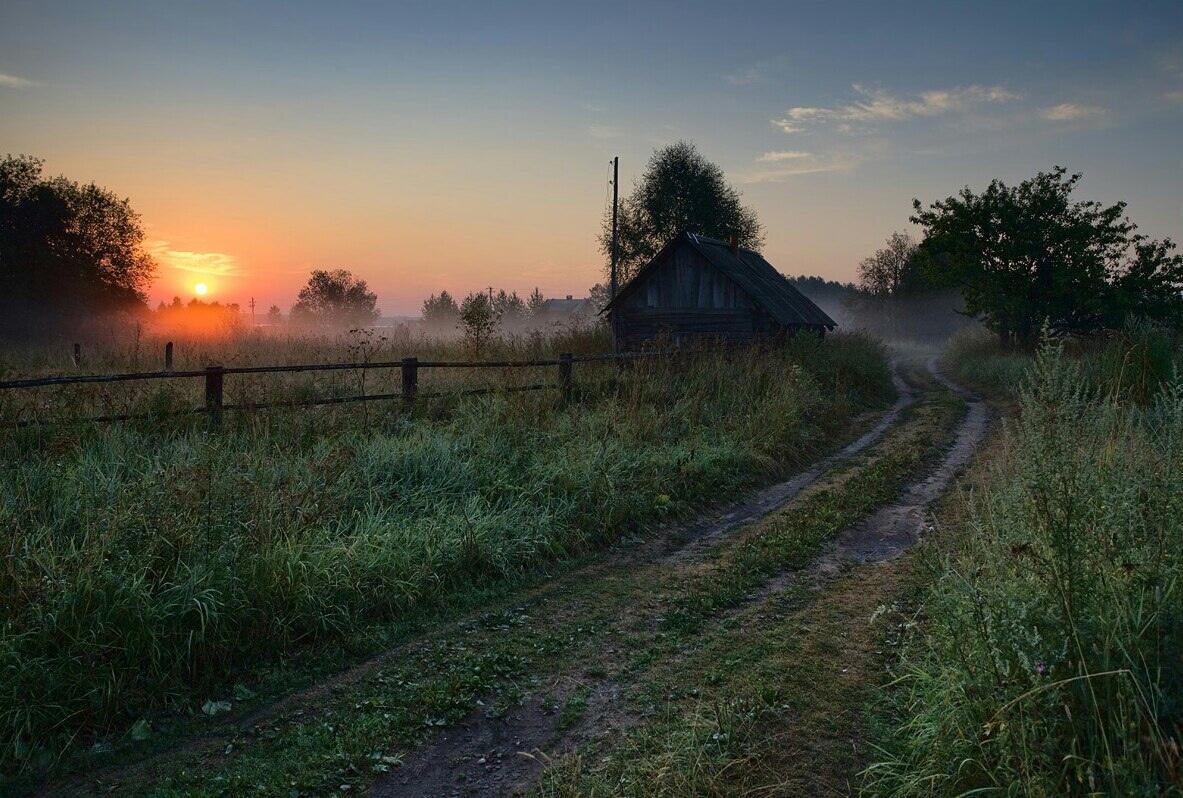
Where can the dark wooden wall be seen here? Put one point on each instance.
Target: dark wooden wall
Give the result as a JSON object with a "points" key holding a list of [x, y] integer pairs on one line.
{"points": [[684, 297]]}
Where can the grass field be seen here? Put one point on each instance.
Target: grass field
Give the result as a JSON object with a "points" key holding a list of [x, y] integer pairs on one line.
{"points": [[1049, 655], [152, 566]]}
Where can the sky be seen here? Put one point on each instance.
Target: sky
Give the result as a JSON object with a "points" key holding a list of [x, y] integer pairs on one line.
{"points": [[440, 145]]}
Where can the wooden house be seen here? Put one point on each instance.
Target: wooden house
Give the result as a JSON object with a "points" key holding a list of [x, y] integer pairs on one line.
{"points": [[699, 288]]}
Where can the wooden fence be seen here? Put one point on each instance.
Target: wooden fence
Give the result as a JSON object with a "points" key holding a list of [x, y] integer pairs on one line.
{"points": [[214, 377]]}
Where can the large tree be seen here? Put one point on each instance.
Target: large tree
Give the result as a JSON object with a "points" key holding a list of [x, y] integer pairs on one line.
{"points": [[680, 190], [441, 310], [66, 246], [336, 299], [1028, 255], [891, 270]]}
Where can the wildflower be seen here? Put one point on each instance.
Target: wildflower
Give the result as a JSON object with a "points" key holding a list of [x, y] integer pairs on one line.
{"points": [[1041, 669]]}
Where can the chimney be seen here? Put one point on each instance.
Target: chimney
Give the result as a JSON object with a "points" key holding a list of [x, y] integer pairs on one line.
{"points": [[734, 242], [568, 297]]}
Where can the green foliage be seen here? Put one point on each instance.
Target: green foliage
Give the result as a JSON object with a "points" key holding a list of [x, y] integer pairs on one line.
{"points": [[335, 299], [479, 317], [893, 269], [679, 191], [535, 302], [1028, 256], [441, 311], [148, 566], [1128, 365], [65, 246], [1051, 659]]}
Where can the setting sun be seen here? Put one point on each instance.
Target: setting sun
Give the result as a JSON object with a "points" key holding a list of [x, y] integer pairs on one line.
{"points": [[201, 289]]}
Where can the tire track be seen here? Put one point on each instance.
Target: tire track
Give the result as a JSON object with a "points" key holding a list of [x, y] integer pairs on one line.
{"points": [[700, 535], [894, 528]]}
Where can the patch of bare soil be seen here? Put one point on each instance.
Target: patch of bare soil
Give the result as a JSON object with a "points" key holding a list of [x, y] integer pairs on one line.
{"points": [[504, 755]]}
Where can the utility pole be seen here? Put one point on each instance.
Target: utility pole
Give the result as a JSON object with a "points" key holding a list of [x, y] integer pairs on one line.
{"points": [[252, 311], [615, 195]]}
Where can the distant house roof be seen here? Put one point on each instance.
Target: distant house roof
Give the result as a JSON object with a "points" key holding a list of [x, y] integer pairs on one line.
{"points": [[767, 287], [568, 305]]}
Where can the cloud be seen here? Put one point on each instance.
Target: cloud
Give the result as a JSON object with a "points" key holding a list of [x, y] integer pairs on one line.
{"points": [[1175, 96], [1070, 112], [14, 82], [877, 105], [783, 155], [806, 164], [213, 264], [604, 132], [745, 77], [788, 126]]}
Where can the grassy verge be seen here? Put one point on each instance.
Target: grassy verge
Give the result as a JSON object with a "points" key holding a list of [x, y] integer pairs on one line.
{"points": [[152, 567], [1049, 660], [1129, 365], [583, 629]]}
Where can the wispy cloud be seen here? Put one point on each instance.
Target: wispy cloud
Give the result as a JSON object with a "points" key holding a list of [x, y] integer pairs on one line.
{"points": [[604, 132], [14, 81], [783, 155], [213, 264], [1071, 112], [1175, 96], [805, 164], [878, 105], [787, 125], [745, 77]]}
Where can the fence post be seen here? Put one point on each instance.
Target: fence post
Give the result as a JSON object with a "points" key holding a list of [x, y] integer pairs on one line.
{"points": [[565, 375], [77, 355], [168, 356], [410, 379], [213, 394]]}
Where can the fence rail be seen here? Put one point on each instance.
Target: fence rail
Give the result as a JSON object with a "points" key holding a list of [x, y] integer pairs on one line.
{"points": [[214, 377]]}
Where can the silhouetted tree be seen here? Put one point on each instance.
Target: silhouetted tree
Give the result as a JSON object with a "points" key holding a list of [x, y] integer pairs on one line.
{"points": [[597, 295], [509, 307], [679, 191], [478, 320], [1027, 255], [335, 298], [535, 302], [891, 270], [65, 246], [441, 310], [274, 315]]}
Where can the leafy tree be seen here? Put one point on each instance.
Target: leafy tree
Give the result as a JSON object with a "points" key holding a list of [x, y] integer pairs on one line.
{"points": [[597, 295], [67, 246], [335, 298], [274, 315], [535, 302], [1027, 255], [891, 270], [478, 320], [509, 306], [440, 310], [679, 191]]}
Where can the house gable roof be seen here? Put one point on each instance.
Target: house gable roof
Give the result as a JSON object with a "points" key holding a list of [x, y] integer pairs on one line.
{"points": [[767, 287]]}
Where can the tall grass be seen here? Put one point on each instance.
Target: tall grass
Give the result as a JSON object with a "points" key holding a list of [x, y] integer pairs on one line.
{"points": [[146, 565], [1130, 364], [1050, 659]]}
